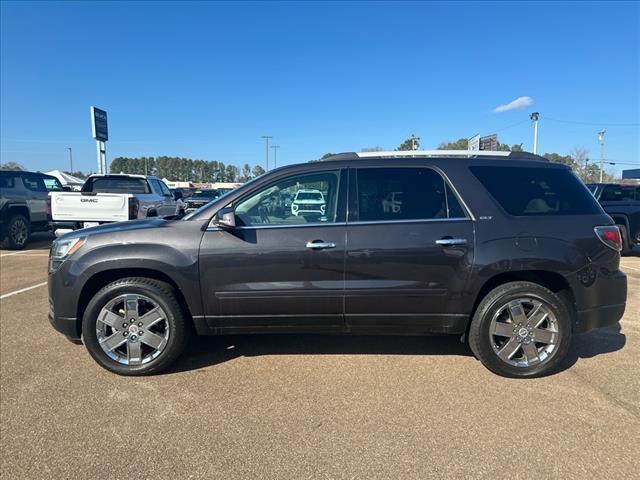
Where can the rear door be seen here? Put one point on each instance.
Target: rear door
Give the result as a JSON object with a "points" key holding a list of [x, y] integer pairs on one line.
{"points": [[37, 195], [410, 247], [167, 203]]}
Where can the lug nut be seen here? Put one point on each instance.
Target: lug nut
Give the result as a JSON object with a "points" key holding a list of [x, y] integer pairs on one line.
{"points": [[140, 324], [140, 333], [125, 333], [125, 325], [133, 337]]}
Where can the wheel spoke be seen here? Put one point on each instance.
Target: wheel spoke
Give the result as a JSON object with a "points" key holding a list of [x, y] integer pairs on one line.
{"points": [[544, 336], [152, 339], [112, 319], [530, 352], [537, 316], [509, 349], [131, 307], [113, 341], [516, 310], [503, 329], [134, 353], [152, 317]]}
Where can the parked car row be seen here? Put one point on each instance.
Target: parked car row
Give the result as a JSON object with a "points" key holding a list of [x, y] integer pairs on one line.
{"points": [[622, 203], [34, 201]]}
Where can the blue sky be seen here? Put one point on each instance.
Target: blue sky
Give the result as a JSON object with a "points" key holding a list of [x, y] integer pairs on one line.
{"points": [[206, 80]]}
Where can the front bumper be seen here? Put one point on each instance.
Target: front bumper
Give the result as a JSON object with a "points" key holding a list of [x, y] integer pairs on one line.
{"points": [[67, 325]]}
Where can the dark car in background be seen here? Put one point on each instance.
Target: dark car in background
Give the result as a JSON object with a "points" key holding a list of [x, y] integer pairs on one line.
{"points": [[200, 198], [24, 206], [506, 250], [622, 203]]}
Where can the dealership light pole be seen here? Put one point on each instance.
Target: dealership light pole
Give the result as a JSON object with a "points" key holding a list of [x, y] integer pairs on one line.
{"points": [[275, 155], [70, 160], [266, 149], [534, 117], [413, 142], [601, 140]]}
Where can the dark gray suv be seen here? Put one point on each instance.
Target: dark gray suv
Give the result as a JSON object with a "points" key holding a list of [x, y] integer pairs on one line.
{"points": [[24, 206], [508, 251]]}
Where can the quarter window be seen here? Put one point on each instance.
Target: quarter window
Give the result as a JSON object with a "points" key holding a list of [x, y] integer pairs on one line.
{"points": [[528, 191], [297, 200], [404, 194]]}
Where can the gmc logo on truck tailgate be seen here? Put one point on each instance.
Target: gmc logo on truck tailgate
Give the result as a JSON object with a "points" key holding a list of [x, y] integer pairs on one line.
{"points": [[93, 200]]}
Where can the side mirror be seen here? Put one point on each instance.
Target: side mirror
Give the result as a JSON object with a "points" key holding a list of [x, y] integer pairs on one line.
{"points": [[225, 218]]}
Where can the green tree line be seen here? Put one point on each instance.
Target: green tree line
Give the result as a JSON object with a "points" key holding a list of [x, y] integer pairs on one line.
{"points": [[185, 169]]}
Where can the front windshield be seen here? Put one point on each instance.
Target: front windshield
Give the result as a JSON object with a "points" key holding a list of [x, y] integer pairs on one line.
{"points": [[190, 215], [309, 196]]}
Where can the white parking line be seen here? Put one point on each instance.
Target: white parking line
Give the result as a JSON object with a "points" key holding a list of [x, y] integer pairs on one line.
{"points": [[630, 268], [22, 252], [16, 292]]}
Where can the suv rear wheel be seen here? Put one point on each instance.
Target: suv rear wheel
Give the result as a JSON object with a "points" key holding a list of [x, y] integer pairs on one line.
{"points": [[521, 329], [17, 233], [135, 326]]}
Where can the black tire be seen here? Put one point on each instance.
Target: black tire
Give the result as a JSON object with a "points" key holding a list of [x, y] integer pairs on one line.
{"points": [[161, 293], [626, 244], [16, 233], [480, 339]]}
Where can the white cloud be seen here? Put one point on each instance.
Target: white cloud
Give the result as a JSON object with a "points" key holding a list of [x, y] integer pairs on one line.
{"points": [[518, 103]]}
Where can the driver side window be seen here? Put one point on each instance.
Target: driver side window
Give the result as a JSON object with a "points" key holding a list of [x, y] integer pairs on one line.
{"points": [[296, 200]]}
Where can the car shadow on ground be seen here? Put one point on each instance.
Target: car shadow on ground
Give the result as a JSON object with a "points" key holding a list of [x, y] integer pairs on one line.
{"points": [[207, 351]]}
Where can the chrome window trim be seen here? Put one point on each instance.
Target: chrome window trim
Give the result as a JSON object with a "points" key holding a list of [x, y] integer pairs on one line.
{"points": [[346, 224], [263, 227], [419, 220]]}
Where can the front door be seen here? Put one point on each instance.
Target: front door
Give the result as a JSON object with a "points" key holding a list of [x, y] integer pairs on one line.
{"points": [[410, 252], [283, 264]]}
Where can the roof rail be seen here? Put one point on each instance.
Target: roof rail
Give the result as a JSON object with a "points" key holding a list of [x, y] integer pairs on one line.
{"points": [[436, 154]]}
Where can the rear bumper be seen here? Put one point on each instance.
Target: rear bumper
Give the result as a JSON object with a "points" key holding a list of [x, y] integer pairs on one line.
{"points": [[605, 316]]}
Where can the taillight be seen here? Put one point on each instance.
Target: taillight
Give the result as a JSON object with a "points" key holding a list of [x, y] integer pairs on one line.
{"points": [[610, 236], [49, 208], [134, 206]]}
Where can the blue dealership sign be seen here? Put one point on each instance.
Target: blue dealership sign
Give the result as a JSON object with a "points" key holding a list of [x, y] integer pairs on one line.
{"points": [[99, 124]]}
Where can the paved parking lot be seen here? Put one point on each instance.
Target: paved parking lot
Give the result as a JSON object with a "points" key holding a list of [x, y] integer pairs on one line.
{"points": [[309, 407]]}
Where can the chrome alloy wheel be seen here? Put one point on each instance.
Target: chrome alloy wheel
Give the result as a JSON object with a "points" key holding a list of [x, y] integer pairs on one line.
{"points": [[132, 329], [524, 332]]}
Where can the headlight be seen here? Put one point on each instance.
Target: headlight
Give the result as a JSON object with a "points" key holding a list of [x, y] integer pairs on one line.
{"points": [[63, 249]]}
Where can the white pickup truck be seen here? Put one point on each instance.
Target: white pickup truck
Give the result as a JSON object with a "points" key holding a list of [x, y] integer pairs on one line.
{"points": [[111, 198]]}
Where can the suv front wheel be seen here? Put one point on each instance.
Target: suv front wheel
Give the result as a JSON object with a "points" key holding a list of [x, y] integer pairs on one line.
{"points": [[521, 329], [135, 326]]}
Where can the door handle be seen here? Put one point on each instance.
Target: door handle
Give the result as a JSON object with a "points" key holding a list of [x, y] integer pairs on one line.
{"points": [[317, 245], [448, 242]]}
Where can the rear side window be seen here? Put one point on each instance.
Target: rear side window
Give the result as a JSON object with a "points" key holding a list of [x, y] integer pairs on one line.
{"points": [[524, 191], [404, 194], [7, 180], [33, 182], [116, 185]]}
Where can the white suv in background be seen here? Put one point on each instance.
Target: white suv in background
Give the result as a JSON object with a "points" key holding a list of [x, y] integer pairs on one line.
{"points": [[308, 201]]}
